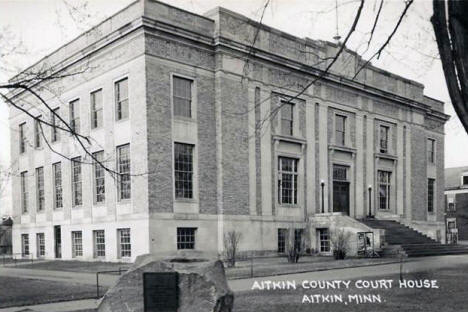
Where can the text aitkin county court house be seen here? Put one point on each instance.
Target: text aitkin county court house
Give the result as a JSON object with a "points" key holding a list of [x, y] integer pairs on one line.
{"points": [[209, 136]]}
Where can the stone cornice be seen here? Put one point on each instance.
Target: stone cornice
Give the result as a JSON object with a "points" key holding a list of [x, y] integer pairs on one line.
{"points": [[229, 45], [220, 44]]}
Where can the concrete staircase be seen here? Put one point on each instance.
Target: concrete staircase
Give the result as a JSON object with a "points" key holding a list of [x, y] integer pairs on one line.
{"points": [[413, 243]]}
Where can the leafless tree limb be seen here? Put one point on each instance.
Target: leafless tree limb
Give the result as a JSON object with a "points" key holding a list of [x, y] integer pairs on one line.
{"points": [[389, 38]]}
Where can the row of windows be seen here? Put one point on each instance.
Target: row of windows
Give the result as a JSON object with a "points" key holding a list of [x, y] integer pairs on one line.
{"points": [[283, 237], [96, 103], [182, 99], [123, 181], [185, 240], [340, 123], [40, 243], [99, 244], [183, 178], [288, 185]]}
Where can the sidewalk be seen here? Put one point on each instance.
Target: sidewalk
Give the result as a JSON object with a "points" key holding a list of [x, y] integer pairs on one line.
{"points": [[241, 285], [61, 276], [67, 306], [279, 266]]}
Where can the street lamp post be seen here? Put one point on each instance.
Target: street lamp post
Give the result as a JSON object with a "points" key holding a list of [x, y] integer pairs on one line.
{"points": [[322, 184], [370, 201]]}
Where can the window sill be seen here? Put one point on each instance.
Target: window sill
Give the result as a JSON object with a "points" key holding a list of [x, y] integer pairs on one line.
{"points": [[385, 155], [289, 138], [342, 148], [289, 206], [185, 119], [77, 207], [124, 201], [123, 120], [186, 200], [99, 204]]}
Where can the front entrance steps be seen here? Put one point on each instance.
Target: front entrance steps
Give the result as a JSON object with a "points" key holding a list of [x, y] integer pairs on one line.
{"points": [[413, 243]]}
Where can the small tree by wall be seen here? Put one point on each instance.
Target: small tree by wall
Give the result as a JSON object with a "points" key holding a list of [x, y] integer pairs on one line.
{"points": [[295, 249], [231, 244], [340, 243]]}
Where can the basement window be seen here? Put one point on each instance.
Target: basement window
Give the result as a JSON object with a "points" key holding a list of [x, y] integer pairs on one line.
{"points": [[324, 240], [186, 238], [282, 234]]}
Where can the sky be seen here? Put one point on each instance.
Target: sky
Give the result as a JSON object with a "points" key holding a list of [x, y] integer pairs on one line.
{"points": [[38, 27]]}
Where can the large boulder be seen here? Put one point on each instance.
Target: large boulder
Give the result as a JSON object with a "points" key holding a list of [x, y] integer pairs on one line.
{"points": [[202, 285]]}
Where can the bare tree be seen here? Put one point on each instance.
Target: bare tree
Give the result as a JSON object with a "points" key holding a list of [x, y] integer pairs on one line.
{"points": [[451, 30], [231, 245]]}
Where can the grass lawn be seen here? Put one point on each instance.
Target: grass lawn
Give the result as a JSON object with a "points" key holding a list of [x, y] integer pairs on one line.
{"points": [[77, 266], [21, 291], [450, 296]]}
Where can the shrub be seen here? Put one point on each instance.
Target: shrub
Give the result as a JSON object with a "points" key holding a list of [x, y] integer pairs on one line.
{"points": [[231, 243], [340, 244]]}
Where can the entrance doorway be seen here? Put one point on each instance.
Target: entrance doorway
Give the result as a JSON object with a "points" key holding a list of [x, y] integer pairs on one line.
{"points": [[58, 241], [340, 189]]}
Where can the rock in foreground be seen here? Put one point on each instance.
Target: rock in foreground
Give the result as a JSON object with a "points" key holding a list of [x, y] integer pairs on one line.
{"points": [[202, 286]]}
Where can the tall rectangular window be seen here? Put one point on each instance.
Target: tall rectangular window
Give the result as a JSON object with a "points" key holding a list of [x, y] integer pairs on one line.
{"points": [[183, 170], [430, 195], [40, 188], [25, 244], [37, 132], [77, 244], [76, 182], [123, 167], [22, 138], [57, 172], [287, 180], [24, 191], [75, 115], [182, 96], [96, 109], [431, 150], [324, 240], [340, 130], [384, 189], [384, 139], [40, 243], [55, 136], [125, 246], [99, 179], [287, 118], [121, 99], [282, 235], [99, 244], [186, 238]]}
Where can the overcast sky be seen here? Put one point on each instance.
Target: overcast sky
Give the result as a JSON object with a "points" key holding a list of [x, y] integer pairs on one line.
{"points": [[41, 26]]}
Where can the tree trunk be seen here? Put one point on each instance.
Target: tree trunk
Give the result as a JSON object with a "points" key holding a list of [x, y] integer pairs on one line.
{"points": [[452, 40]]}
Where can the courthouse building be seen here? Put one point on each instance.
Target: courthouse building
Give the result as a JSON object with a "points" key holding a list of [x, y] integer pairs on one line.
{"points": [[210, 131]]}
